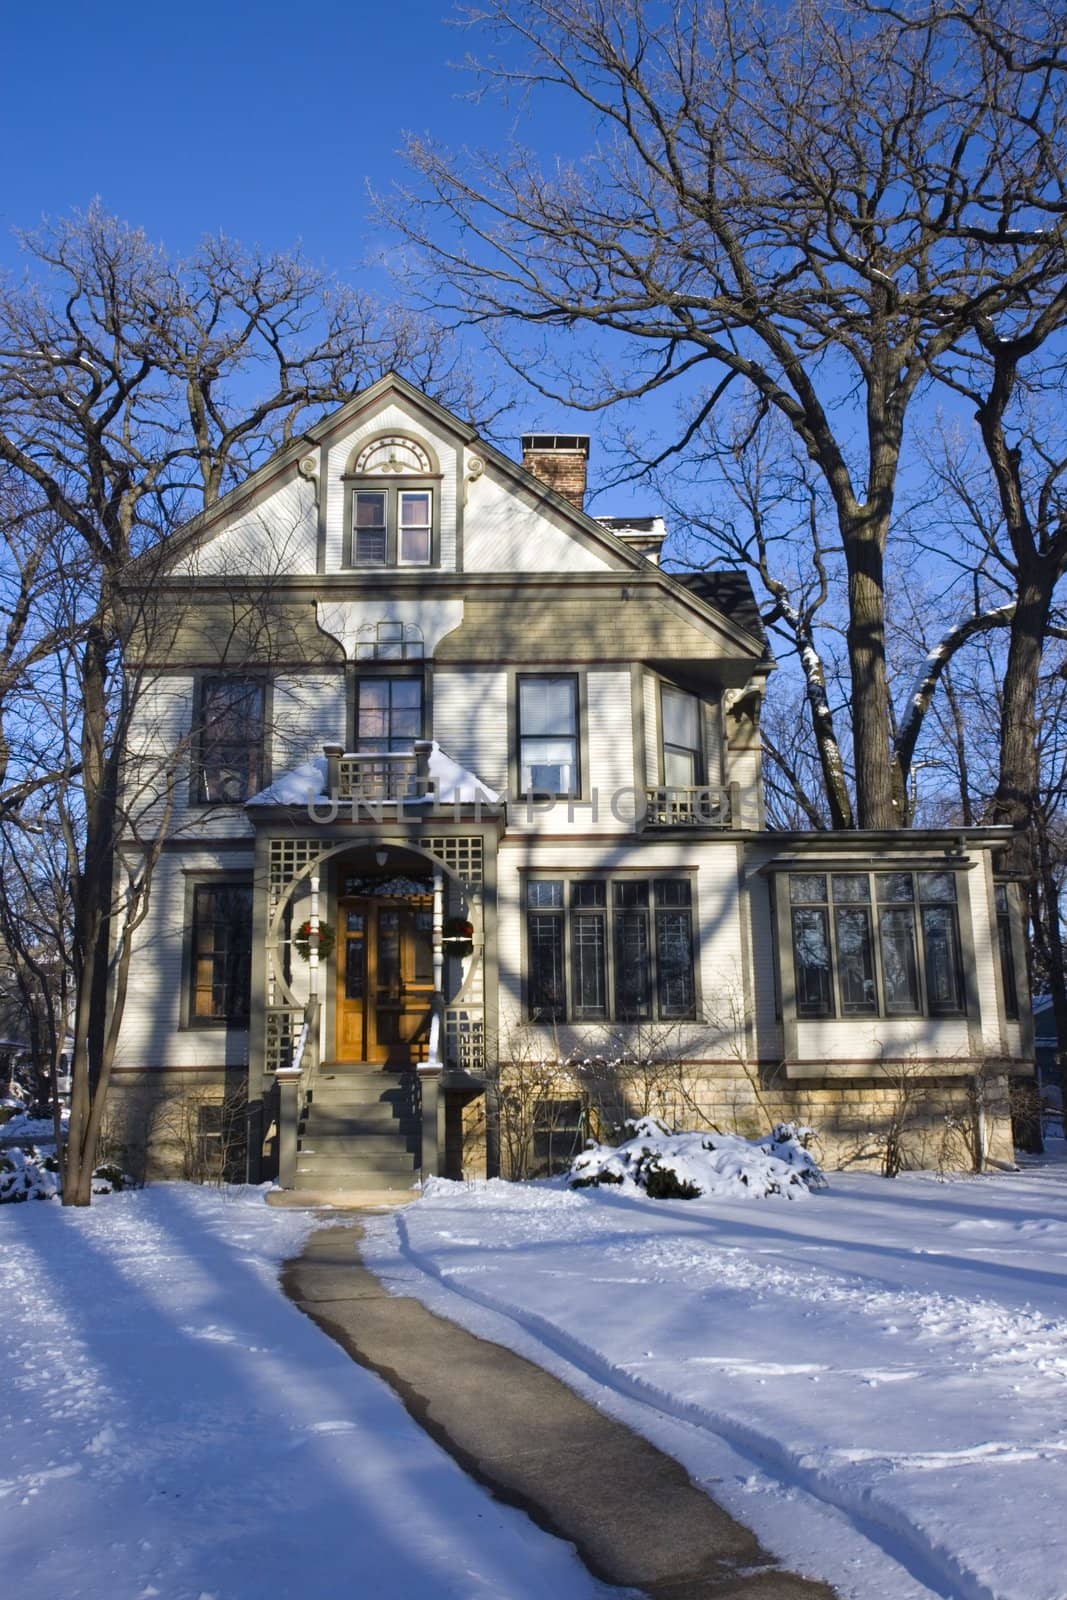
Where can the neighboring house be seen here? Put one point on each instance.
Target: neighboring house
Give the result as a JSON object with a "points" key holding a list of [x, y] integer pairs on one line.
{"points": [[379, 647]]}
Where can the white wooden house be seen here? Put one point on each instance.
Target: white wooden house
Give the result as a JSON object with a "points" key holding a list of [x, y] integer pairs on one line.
{"points": [[467, 778]]}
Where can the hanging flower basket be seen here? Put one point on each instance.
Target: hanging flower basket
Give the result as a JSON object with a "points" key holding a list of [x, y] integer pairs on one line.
{"points": [[302, 940], [457, 937]]}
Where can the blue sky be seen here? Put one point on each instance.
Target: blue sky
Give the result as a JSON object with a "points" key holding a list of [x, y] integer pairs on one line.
{"points": [[266, 122]]}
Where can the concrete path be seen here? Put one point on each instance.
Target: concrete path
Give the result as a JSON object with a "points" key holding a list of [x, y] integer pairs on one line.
{"points": [[633, 1514]]}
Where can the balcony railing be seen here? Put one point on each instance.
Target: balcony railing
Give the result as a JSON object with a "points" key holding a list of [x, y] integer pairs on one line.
{"points": [[712, 806], [374, 776]]}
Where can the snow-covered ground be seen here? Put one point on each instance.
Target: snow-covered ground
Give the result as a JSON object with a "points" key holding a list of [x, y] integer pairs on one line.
{"points": [[875, 1380], [170, 1426]]}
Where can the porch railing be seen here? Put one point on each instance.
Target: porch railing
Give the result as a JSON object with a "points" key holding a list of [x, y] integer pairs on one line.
{"points": [[711, 806], [377, 775]]}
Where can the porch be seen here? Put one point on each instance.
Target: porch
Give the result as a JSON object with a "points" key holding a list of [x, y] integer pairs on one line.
{"points": [[371, 992]]}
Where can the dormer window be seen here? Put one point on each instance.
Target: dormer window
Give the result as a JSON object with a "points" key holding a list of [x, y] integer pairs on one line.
{"points": [[391, 521]]}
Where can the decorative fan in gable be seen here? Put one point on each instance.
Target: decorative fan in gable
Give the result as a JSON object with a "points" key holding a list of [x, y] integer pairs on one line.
{"points": [[395, 456]]}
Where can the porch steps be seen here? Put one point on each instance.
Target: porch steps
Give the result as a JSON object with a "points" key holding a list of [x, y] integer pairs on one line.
{"points": [[362, 1131]]}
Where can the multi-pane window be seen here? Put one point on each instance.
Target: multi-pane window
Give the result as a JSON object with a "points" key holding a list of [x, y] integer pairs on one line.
{"points": [[230, 720], [548, 735], [683, 762], [221, 953], [617, 949], [876, 944], [392, 527], [1006, 947], [388, 714]]}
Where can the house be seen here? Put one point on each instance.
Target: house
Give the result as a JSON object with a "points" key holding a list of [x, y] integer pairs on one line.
{"points": [[1046, 1050], [466, 823]]}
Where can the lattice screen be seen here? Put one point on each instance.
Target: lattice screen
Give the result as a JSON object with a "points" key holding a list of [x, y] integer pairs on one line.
{"points": [[465, 1039], [462, 854]]}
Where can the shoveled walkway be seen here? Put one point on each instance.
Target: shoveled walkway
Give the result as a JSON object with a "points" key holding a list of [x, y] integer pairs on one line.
{"points": [[633, 1514]]}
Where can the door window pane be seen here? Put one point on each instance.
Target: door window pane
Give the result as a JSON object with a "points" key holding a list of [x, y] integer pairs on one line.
{"points": [[900, 972], [811, 954], [355, 956]]}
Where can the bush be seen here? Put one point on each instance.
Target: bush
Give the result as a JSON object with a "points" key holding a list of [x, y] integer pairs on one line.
{"points": [[670, 1165]]}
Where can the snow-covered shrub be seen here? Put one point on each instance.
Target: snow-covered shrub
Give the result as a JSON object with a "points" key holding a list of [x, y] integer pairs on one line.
{"points": [[684, 1166], [28, 1173]]}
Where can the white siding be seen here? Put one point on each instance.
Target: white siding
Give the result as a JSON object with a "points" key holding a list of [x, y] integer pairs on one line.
{"points": [[391, 418], [505, 531], [150, 1035], [986, 956], [308, 712], [470, 720], [275, 538]]}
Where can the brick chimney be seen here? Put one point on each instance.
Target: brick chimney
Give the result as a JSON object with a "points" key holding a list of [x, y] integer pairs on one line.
{"points": [[559, 459]]}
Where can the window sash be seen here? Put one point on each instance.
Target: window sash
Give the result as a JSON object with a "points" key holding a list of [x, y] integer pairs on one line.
{"points": [[221, 964], [1006, 945], [548, 735], [389, 714], [683, 755], [230, 745], [392, 527]]}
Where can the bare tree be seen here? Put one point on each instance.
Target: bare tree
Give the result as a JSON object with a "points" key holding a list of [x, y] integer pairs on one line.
{"points": [[820, 203], [134, 390]]}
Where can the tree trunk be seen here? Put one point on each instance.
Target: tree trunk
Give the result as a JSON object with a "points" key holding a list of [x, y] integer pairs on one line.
{"points": [[1019, 778], [877, 803]]}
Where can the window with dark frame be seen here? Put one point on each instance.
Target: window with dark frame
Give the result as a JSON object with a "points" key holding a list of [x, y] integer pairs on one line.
{"points": [[870, 944], [388, 713], [626, 944], [230, 728], [548, 735], [1006, 946], [221, 963]]}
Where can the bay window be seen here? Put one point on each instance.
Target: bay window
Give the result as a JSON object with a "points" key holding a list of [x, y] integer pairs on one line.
{"points": [[876, 944]]}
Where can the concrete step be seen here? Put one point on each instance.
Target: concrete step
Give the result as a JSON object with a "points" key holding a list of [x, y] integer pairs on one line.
{"points": [[330, 1113], [370, 1145], [353, 1182], [383, 1161], [387, 1100], [349, 1127]]}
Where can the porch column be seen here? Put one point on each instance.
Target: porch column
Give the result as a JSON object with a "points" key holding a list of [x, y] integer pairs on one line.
{"points": [[430, 1072], [288, 1082], [313, 940]]}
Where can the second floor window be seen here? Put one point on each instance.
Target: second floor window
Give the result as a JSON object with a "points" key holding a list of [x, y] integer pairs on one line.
{"points": [[230, 728], [683, 762], [548, 735], [388, 714]]}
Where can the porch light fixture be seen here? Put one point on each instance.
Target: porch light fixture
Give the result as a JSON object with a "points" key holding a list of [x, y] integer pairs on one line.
{"points": [[381, 857]]}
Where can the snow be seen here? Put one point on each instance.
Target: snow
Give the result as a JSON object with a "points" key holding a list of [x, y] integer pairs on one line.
{"points": [[307, 783], [875, 1381], [172, 1427], [39, 1129], [700, 1165]]}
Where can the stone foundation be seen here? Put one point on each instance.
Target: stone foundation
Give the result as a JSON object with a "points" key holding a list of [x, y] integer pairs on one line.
{"points": [[178, 1125]]}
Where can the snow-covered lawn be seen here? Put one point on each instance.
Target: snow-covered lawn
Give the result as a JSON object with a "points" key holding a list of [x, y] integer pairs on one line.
{"points": [[874, 1380], [170, 1426]]}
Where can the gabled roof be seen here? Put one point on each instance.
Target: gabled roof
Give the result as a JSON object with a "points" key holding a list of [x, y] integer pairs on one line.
{"points": [[200, 527]]}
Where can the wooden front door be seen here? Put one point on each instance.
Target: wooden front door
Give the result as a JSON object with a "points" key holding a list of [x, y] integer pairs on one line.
{"points": [[384, 980]]}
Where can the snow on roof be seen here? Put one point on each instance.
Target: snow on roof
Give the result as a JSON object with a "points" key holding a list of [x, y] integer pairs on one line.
{"points": [[307, 782]]}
